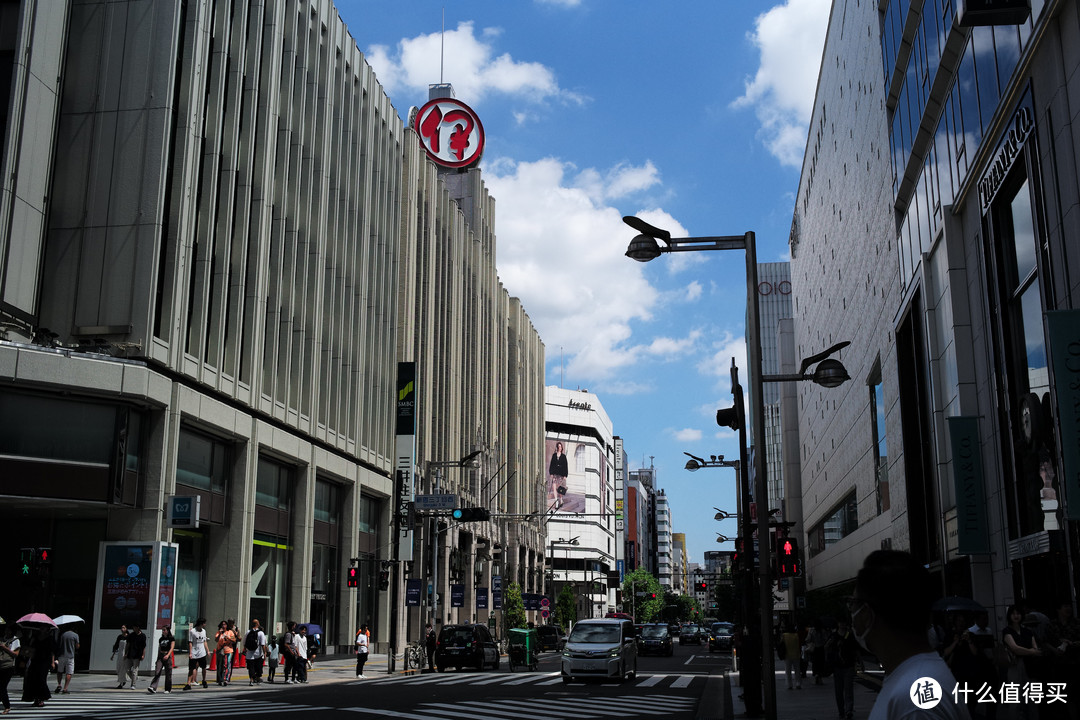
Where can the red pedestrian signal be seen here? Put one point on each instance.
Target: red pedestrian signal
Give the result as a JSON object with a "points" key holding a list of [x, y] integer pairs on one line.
{"points": [[787, 557], [353, 578]]}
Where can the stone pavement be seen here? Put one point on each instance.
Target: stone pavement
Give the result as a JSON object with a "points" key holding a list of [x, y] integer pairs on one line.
{"points": [[812, 702]]}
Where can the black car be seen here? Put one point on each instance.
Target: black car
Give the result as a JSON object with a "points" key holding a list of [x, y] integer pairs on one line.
{"points": [[691, 634], [720, 637], [655, 639], [466, 646], [551, 638]]}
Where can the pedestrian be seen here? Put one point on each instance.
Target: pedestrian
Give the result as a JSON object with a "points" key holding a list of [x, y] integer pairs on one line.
{"points": [[255, 652], [164, 663], [361, 650], [9, 651], [273, 654], [841, 652], [288, 649], [67, 646], [134, 655], [890, 615], [119, 645], [300, 648], [792, 657], [198, 651], [1022, 645], [818, 666], [223, 640], [36, 678], [430, 643]]}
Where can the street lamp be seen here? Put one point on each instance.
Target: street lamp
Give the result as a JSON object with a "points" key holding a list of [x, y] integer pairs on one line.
{"points": [[720, 538], [644, 248], [724, 515], [829, 372]]}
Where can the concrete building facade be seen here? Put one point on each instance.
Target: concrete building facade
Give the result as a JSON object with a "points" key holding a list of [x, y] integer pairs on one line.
{"points": [[204, 292], [932, 229]]}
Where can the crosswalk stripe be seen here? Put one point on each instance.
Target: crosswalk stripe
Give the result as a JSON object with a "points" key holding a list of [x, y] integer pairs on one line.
{"points": [[650, 681], [682, 681], [454, 706], [393, 713], [535, 709]]}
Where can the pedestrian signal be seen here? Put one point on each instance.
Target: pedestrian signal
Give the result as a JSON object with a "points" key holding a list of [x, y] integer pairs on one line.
{"points": [[384, 580], [787, 557], [353, 577]]}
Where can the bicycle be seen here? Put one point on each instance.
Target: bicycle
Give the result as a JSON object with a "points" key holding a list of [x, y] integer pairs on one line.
{"points": [[415, 655]]}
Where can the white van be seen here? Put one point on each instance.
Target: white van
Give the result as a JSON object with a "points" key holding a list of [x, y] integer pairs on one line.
{"points": [[600, 648]]}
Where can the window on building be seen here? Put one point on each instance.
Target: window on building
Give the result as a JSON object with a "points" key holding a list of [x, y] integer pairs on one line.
{"points": [[273, 486], [202, 462], [881, 445], [840, 523]]}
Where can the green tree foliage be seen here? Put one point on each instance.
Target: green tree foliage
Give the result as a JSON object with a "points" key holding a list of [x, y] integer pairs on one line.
{"points": [[688, 608], [513, 607], [566, 607], [643, 597]]}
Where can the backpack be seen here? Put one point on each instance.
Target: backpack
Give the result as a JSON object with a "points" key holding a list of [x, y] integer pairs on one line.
{"points": [[251, 641]]}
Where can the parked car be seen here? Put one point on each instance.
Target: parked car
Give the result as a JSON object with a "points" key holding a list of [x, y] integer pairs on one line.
{"points": [[600, 648], [551, 637], [690, 635], [655, 639], [461, 646], [720, 637]]}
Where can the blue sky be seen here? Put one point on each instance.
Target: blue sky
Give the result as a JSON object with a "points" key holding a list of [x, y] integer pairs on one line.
{"points": [[691, 114]]}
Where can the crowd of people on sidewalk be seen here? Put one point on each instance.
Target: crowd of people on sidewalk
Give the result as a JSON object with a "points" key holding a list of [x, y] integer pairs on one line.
{"points": [[49, 650]]}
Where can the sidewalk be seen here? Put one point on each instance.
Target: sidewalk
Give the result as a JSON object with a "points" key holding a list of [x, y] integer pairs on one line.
{"points": [[325, 671], [812, 702]]}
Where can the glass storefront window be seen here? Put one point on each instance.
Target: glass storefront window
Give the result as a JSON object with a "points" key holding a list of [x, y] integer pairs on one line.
{"points": [[1023, 236], [270, 559]]}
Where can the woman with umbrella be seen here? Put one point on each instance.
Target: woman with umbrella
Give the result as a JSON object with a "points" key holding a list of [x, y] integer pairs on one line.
{"points": [[36, 682]]}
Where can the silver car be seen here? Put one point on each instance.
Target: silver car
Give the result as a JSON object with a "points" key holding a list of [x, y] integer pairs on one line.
{"points": [[600, 648]]}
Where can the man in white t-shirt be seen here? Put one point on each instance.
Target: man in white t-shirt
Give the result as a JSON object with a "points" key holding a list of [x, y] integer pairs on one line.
{"points": [[890, 612], [300, 652], [198, 650]]}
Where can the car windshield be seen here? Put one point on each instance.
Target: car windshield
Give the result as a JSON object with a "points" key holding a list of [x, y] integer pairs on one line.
{"points": [[721, 629], [458, 637], [690, 629], [654, 631], [583, 633]]}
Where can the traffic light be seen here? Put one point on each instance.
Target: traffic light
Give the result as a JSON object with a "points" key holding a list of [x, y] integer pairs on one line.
{"points": [[43, 557], [471, 514], [787, 557], [740, 544], [353, 577], [384, 579], [652, 596], [703, 586], [26, 561]]}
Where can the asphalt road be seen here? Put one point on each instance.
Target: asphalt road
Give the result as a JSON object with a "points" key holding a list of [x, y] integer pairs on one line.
{"points": [[688, 685]]}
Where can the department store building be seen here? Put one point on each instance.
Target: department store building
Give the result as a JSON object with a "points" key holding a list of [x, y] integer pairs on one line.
{"points": [[935, 228]]}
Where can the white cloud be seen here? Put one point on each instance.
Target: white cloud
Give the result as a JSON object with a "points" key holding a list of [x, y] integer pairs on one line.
{"points": [[560, 249], [467, 62], [687, 435], [790, 38]]}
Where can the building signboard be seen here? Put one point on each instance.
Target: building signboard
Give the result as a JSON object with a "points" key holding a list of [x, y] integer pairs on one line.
{"points": [[450, 132], [973, 534], [973, 13]]}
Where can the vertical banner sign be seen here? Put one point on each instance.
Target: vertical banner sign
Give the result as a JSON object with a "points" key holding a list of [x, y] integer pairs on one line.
{"points": [[405, 457], [166, 586], [496, 592], [481, 598], [127, 577], [973, 535], [457, 595], [1065, 359], [413, 588]]}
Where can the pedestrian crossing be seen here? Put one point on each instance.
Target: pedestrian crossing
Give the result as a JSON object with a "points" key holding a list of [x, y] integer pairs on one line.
{"points": [[542, 708], [153, 707], [675, 681]]}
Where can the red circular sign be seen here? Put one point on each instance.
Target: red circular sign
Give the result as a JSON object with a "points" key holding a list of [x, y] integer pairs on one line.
{"points": [[450, 132]]}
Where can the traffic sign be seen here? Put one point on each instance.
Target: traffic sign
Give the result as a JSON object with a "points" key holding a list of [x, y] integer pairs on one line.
{"points": [[436, 502]]}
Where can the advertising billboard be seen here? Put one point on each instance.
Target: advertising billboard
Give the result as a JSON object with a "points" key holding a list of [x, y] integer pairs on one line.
{"points": [[567, 474]]}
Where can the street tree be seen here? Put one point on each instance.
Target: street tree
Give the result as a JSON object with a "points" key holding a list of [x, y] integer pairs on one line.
{"points": [[643, 596], [513, 607]]}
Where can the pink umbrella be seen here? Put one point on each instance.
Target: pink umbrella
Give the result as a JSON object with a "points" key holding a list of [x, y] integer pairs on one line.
{"points": [[36, 620]]}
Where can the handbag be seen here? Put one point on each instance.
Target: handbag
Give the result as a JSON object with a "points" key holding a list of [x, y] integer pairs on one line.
{"points": [[1003, 656]]}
